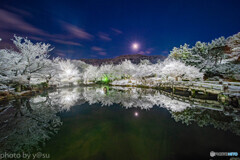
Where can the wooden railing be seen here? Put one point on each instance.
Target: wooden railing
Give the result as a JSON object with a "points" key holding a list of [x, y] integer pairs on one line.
{"points": [[206, 86]]}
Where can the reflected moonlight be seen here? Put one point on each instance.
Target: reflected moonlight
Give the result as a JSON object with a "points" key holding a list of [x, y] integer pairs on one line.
{"points": [[136, 114]]}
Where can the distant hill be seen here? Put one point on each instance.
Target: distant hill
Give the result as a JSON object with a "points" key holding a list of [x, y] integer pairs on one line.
{"points": [[134, 58]]}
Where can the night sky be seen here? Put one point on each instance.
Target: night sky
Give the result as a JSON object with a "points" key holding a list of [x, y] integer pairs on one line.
{"points": [[107, 28]]}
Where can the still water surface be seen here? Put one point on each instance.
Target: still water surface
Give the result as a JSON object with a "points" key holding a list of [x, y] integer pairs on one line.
{"points": [[116, 123]]}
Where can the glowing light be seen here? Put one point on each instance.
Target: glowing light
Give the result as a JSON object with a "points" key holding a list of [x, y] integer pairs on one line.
{"points": [[136, 114], [68, 98], [68, 71], [105, 79], [135, 46]]}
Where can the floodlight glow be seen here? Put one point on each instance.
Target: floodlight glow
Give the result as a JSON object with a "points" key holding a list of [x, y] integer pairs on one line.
{"points": [[105, 79], [68, 71]]}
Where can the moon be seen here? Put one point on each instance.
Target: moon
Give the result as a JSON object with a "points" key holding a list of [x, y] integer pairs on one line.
{"points": [[135, 46]]}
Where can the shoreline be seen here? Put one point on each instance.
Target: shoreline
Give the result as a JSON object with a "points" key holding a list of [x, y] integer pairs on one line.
{"points": [[223, 96]]}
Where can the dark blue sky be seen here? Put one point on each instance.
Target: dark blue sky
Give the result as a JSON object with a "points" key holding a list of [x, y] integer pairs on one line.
{"points": [[107, 28]]}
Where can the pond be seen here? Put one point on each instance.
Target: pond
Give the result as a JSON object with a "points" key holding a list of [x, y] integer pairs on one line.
{"points": [[104, 122]]}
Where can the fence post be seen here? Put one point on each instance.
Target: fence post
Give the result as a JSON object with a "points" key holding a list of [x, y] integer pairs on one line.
{"points": [[206, 93], [225, 88], [173, 89], [220, 81], [193, 93]]}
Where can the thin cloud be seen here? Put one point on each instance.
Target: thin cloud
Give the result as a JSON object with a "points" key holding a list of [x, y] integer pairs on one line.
{"points": [[148, 51], [66, 42], [104, 36], [63, 53], [19, 11], [141, 52], [98, 49], [116, 31], [77, 32], [59, 53], [13, 22], [102, 53]]}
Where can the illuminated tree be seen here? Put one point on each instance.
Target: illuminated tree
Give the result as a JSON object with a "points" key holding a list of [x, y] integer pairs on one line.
{"points": [[182, 53], [203, 55], [69, 72], [18, 66], [91, 74], [33, 56], [176, 69]]}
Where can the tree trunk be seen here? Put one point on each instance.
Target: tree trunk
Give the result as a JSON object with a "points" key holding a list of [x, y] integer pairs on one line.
{"points": [[18, 88]]}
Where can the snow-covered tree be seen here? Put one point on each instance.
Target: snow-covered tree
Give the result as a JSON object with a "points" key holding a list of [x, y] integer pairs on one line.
{"points": [[49, 74], [216, 50], [234, 43], [28, 59], [106, 73], [145, 69], [9, 64], [205, 56], [173, 70], [91, 74], [199, 55], [69, 72], [183, 53], [33, 56], [81, 66], [127, 68]]}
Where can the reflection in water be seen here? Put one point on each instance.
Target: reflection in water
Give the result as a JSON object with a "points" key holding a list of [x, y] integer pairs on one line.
{"points": [[26, 124], [132, 97], [205, 117]]}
